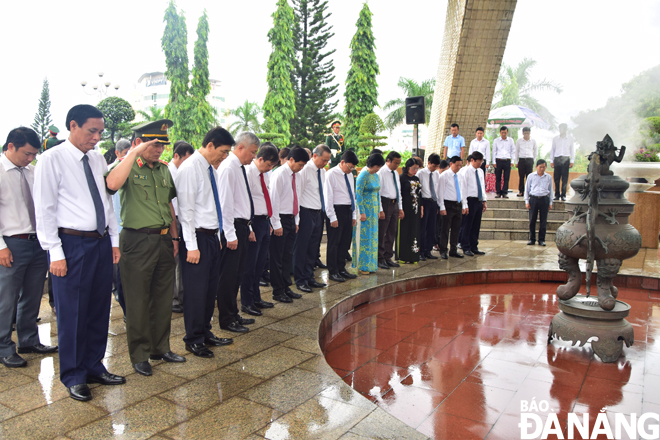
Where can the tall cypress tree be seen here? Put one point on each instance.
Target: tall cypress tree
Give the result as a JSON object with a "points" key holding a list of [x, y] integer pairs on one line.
{"points": [[313, 73], [202, 116], [361, 93], [280, 106], [43, 119]]}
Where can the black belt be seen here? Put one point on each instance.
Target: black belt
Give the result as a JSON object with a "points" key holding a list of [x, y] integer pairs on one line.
{"points": [[508, 160], [539, 197], [242, 221], [310, 209], [262, 217], [287, 215], [427, 199], [385, 199], [451, 201], [91, 234], [25, 236], [207, 231], [151, 231], [473, 198]]}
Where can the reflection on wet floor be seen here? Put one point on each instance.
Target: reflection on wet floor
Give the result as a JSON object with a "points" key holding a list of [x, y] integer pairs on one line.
{"points": [[459, 362]]}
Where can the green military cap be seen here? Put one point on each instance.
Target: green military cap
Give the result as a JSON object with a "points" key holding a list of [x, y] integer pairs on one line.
{"points": [[154, 130], [335, 123], [53, 129]]}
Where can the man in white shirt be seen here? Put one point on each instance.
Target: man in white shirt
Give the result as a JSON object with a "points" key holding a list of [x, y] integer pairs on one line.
{"points": [[562, 156], [285, 198], [429, 178], [391, 209], [182, 150], [526, 152], [76, 223], [475, 189], [503, 154], [258, 179], [312, 206], [482, 145], [452, 198], [237, 214], [339, 195], [200, 215], [23, 263]]}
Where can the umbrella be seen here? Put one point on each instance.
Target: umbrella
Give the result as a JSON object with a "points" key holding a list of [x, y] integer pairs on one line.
{"points": [[515, 116]]}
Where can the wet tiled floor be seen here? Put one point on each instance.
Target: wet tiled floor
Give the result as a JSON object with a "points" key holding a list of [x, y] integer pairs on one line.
{"points": [[274, 382]]}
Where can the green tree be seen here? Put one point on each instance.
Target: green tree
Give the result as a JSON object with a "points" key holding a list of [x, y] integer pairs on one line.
{"points": [[361, 93], [43, 119], [371, 125], [280, 103], [116, 113], [248, 118], [202, 114], [154, 114], [411, 88], [313, 73], [515, 87]]}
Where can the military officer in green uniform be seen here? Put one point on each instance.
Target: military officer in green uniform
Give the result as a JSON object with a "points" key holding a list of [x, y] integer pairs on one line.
{"points": [[52, 140], [148, 243], [335, 141]]}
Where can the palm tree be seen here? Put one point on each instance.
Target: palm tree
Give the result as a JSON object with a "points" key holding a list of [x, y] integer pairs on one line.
{"points": [[248, 118], [155, 114], [515, 87], [410, 88]]}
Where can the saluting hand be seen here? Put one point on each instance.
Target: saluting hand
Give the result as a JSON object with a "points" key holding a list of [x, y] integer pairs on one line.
{"points": [[138, 149], [58, 268], [6, 257], [116, 255]]}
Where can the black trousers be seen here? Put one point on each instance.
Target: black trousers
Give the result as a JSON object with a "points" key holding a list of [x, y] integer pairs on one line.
{"points": [[200, 281], [538, 205], [281, 255], [339, 239], [561, 174], [256, 260], [306, 246], [525, 168], [232, 265], [387, 229], [451, 222], [471, 225], [503, 167], [427, 225]]}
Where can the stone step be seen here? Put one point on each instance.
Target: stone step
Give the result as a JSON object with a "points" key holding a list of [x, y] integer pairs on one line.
{"points": [[504, 224], [496, 234], [509, 213], [514, 202]]}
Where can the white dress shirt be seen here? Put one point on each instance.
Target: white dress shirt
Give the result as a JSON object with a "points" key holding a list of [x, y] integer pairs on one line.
{"points": [[281, 194], [310, 196], [562, 146], [468, 173], [335, 192], [234, 198], [196, 204], [526, 149], [15, 218], [423, 176], [503, 148], [448, 189], [538, 186], [482, 146], [258, 198], [62, 198], [387, 188], [173, 170]]}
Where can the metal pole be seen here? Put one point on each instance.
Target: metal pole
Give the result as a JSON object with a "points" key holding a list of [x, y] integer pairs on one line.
{"points": [[414, 141]]}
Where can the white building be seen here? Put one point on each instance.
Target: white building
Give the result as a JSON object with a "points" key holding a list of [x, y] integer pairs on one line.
{"points": [[153, 90]]}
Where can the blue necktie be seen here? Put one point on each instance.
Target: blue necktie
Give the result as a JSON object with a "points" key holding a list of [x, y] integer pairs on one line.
{"points": [[480, 194], [96, 196], [458, 188], [249, 193], [433, 195], [216, 199], [318, 174], [396, 186], [350, 192]]}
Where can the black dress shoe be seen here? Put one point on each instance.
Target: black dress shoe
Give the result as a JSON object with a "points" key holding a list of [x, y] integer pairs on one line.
{"points": [[430, 256], [541, 243], [443, 255], [499, 196], [13, 361], [177, 308], [468, 253], [316, 284], [143, 368], [215, 341], [478, 252], [291, 294], [318, 263], [80, 392], [282, 298], [199, 350], [264, 304], [304, 288], [251, 310], [556, 198], [455, 255], [245, 321], [106, 379], [346, 275], [38, 348], [392, 263], [168, 357], [422, 257], [382, 264], [235, 327], [263, 283], [506, 196], [336, 277], [530, 242]]}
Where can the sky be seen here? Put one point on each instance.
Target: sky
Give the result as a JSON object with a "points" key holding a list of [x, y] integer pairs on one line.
{"points": [[589, 47]]}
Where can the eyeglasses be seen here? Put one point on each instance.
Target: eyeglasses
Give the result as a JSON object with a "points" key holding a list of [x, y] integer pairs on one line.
{"points": [[350, 167]]}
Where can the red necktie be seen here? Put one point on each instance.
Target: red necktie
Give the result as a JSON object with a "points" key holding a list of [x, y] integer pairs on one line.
{"points": [[295, 197], [266, 196]]}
